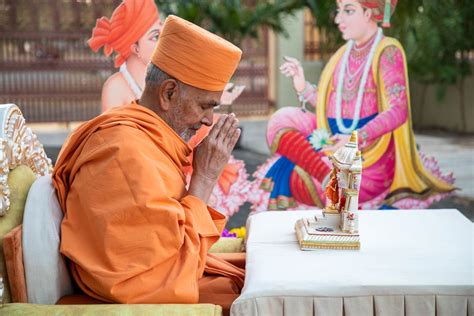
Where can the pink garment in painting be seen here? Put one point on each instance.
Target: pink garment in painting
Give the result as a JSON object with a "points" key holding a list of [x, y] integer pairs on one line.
{"points": [[377, 178]]}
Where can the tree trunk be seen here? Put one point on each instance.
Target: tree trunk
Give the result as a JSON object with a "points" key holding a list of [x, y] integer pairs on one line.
{"points": [[462, 105]]}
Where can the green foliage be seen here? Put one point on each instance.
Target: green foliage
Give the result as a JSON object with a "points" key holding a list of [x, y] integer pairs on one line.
{"points": [[438, 39], [232, 19], [437, 35]]}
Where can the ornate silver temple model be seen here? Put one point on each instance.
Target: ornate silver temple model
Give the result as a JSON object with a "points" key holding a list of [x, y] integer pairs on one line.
{"points": [[338, 227]]}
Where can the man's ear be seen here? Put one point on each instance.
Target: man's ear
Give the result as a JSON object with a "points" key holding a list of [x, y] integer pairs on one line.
{"points": [[134, 49], [168, 94], [368, 14]]}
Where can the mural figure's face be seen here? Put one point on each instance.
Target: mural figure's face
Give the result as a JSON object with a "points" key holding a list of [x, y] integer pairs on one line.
{"points": [[353, 20], [147, 43]]}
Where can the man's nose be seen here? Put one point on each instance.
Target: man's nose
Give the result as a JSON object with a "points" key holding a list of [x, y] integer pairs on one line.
{"points": [[207, 118]]}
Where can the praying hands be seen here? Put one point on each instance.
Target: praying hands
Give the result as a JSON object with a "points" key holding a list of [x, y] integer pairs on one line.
{"points": [[212, 155]]}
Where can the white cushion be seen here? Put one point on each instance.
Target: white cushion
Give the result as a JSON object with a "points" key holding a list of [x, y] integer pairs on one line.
{"points": [[46, 274]]}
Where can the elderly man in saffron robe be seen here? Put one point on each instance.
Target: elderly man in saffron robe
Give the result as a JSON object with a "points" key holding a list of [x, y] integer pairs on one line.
{"points": [[131, 33], [131, 230]]}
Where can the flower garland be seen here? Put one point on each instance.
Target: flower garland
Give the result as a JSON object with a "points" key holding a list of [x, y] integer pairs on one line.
{"points": [[131, 82], [340, 124]]}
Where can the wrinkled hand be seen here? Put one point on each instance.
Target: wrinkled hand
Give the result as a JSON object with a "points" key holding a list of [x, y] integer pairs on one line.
{"points": [[292, 68], [338, 141], [229, 95], [212, 154]]}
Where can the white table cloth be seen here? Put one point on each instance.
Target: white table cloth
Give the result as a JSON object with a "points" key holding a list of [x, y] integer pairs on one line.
{"points": [[411, 262]]}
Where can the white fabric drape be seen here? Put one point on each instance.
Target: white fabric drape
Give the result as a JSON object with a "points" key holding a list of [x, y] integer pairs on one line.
{"points": [[411, 262]]}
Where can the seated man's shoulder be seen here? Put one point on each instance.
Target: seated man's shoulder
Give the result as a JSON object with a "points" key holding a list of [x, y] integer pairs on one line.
{"points": [[123, 132], [119, 138]]}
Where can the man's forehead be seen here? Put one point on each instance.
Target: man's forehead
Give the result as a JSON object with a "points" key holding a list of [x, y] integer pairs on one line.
{"points": [[205, 96], [214, 95]]}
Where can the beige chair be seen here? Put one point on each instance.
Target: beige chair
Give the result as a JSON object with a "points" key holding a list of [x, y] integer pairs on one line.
{"points": [[34, 271]]}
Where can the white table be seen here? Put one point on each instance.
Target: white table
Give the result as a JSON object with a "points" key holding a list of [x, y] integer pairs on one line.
{"points": [[411, 262]]}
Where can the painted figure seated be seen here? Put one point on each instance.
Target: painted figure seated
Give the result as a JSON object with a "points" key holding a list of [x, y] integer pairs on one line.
{"points": [[132, 33], [364, 87]]}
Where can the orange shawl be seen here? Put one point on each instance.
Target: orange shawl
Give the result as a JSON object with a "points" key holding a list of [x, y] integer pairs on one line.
{"points": [[130, 230]]}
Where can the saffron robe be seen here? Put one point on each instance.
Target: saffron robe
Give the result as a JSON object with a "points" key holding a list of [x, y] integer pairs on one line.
{"points": [[131, 231]]}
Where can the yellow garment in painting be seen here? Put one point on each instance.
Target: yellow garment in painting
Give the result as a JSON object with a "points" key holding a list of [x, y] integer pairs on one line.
{"points": [[411, 179]]}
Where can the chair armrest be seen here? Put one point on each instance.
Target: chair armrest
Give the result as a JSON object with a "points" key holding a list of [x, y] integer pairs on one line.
{"points": [[13, 254], [228, 245], [116, 309]]}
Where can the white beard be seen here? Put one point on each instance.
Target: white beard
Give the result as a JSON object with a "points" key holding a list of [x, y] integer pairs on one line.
{"points": [[187, 135]]}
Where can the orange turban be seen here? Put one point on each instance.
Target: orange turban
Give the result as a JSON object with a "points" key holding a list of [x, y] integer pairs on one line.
{"points": [[128, 24], [195, 56]]}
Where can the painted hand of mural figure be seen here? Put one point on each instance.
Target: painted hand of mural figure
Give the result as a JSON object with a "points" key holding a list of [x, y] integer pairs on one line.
{"points": [[292, 68], [231, 93], [337, 141]]}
